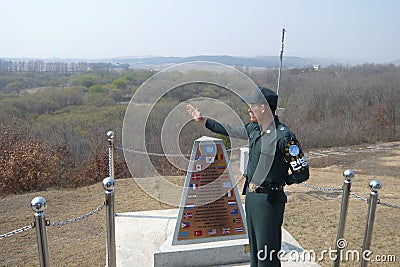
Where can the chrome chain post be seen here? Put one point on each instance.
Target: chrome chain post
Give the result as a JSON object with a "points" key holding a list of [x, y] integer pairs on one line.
{"points": [[108, 185], [38, 205], [374, 185], [348, 174]]}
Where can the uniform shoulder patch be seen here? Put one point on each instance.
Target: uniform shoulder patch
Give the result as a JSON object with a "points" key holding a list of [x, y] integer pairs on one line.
{"points": [[294, 150]]}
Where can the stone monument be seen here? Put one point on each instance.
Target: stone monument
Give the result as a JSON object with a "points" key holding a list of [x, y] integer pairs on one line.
{"points": [[211, 209]]}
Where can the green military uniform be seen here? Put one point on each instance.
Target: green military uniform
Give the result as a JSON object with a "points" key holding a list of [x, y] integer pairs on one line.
{"points": [[272, 152]]}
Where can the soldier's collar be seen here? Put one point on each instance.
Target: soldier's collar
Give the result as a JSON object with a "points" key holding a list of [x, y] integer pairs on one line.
{"points": [[269, 130]]}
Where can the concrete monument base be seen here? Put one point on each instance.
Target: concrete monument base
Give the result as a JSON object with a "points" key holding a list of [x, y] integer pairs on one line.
{"points": [[202, 254], [145, 239]]}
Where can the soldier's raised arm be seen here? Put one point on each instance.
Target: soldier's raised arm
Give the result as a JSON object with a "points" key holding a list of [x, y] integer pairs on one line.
{"points": [[216, 127], [195, 113]]}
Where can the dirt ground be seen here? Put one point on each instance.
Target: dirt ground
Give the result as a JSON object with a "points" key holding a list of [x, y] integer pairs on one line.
{"points": [[311, 214]]}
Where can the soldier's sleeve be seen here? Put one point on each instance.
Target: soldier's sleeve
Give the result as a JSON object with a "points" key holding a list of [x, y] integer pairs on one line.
{"points": [[296, 160], [226, 129]]}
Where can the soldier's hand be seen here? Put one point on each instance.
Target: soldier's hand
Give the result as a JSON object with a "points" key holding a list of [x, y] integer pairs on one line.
{"points": [[195, 113]]}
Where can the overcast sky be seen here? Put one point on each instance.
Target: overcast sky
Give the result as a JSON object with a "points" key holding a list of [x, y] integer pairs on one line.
{"points": [[346, 29]]}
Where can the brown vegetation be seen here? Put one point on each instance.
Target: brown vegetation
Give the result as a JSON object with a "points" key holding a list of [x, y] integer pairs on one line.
{"points": [[56, 136]]}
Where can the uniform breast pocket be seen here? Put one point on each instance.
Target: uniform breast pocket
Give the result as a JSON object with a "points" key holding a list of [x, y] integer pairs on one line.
{"points": [[267, 153], [264, 165]]}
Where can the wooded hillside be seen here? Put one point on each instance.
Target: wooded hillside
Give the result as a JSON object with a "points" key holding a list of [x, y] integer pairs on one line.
{"points": [[54, 123]]}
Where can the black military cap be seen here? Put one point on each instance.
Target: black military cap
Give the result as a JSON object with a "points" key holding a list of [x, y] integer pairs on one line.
{"points": [[261, 95]]}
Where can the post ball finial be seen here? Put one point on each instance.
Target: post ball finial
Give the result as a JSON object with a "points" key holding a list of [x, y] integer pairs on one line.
{"points": [[375, 185], [38, 204], [108, 183], [348, 174], [111, 134]]}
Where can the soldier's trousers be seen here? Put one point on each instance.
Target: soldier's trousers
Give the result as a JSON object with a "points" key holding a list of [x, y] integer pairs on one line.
{"points": [[264, 221]]}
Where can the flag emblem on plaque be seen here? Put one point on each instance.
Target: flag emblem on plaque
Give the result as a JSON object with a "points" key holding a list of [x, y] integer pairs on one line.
{"points": [[209, 159], [209, 149], [219, 157], [201, 157], [230, 193], [183, 234], [196, 176], [194, 186], [187, 215], [226, 230], [235, 211], [189, 206], [185, 224], [232, 203], [198, 233], [236, 220], [212, 232], [226, 184], [221, 166]]}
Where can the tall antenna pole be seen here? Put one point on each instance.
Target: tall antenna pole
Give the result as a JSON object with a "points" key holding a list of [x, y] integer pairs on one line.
{"points": [[280, 58]]}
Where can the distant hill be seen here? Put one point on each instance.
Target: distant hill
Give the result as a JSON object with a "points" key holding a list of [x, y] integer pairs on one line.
{"points": [[395, 62], [259, 62], [160, 62]]}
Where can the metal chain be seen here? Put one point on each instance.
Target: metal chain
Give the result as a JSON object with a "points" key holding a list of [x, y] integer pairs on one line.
{"points": [[388, 205], [322, 188], [356, 196], [236, 148], [28, 227], [163, 155], [379, 201], [359, 197], [110, 162], [17, 231], [78, 218], [231, 149], [152, 153]]}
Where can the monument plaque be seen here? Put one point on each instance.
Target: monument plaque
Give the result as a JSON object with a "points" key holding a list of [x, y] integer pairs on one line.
{"points": [[211, 209]]}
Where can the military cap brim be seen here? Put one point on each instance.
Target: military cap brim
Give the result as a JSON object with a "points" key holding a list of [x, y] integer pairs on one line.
{"points": [[261, 96]]}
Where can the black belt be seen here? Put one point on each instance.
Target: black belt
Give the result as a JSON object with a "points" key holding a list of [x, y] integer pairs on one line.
{"points": [[268, 189]]}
